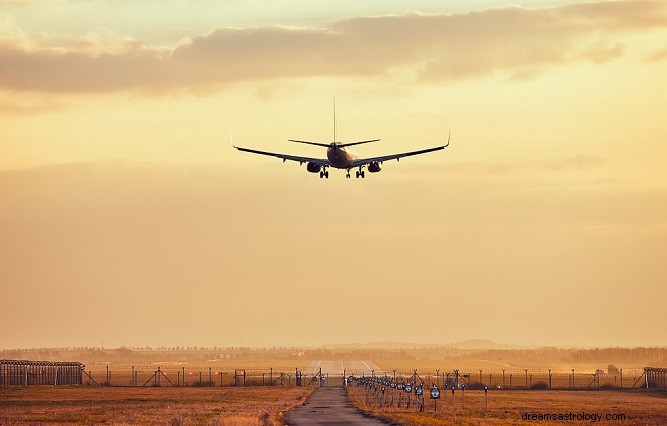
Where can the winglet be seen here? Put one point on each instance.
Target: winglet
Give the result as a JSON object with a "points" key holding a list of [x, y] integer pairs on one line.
{"points": [[448, 138], [231, 140]]}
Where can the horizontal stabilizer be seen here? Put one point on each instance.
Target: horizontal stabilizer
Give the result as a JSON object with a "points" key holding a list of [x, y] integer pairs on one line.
{"points": [[326, 145], [357, 143]]}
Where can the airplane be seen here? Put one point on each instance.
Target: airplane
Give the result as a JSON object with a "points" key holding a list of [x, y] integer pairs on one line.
{"points": [[339, 157]]}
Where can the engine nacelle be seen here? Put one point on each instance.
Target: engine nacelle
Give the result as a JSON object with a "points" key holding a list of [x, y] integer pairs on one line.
{"points": [[374, 167], [313, 168]]}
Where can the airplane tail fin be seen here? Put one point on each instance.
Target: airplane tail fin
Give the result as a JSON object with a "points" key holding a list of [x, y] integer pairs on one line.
{"points": [[334, 106], [327, 145]]}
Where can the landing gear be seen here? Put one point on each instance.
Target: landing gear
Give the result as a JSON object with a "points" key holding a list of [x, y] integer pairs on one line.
{"points": [[324, 174], [360, 174]]}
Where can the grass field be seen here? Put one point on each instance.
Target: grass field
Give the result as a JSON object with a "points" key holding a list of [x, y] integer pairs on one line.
{"points": [[175, 406], [266, 405], [639, 407]]}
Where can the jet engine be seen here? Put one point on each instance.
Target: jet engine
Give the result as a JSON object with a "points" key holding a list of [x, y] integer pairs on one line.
{"points": [[374, 167], [313, 168]]}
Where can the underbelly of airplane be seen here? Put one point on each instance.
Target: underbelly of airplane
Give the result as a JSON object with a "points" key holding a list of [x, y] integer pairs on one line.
{"points": [[340, 158]]}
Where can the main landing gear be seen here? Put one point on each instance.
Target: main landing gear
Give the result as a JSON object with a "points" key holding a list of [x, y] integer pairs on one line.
{"points": [[360, 174], [324, 174]]}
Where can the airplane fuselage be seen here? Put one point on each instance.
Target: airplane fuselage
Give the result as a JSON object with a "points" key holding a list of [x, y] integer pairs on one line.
{"points": [[339, 157]]}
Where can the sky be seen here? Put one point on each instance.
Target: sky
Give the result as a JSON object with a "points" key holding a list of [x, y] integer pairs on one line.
{"points": [[127, 219]]}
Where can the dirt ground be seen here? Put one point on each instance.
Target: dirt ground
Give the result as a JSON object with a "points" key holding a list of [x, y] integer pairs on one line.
{"points": [[166, 405]]}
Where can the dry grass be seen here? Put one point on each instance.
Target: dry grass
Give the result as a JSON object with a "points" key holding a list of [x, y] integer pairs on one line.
{"points": [[507, 407], [175, 406]]}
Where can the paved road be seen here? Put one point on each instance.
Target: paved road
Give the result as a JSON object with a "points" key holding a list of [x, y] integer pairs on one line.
{"points": [[329, 406]]}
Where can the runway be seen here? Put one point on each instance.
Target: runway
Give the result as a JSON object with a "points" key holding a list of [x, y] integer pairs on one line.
{"points": [[329, 406], [350, 368]]}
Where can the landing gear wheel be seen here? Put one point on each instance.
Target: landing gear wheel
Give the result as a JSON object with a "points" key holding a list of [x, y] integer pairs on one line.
{"points": [[326, 174], [321, 175], [348, 174]]}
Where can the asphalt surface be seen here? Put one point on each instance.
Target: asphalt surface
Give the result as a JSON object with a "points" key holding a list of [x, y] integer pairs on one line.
{"points": [[329, 406]]}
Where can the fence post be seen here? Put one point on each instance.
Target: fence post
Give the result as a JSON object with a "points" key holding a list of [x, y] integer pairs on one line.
{"points": [[510, 380]]}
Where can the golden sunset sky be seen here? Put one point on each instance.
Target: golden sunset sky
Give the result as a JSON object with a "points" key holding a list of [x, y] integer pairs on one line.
{"points": [[126, 216]]}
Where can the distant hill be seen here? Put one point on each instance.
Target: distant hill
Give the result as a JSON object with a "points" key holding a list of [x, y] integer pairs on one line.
{"points": [[482, 344], [471, 344]]}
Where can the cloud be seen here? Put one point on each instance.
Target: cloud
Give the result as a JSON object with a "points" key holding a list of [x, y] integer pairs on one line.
{"points": [[9, 4], [660, 55], [432, 47]]}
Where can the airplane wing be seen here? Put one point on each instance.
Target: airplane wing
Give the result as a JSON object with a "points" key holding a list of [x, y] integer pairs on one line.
{"points": [[319, 161], [364, 161]]}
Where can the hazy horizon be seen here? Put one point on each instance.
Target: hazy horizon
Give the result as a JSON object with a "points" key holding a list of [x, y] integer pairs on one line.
{"points": [[467, 345], [127, 217]]}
